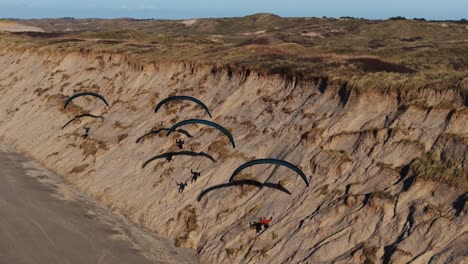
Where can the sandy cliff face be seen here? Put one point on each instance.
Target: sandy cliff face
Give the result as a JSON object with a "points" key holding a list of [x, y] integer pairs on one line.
{"points": [[375, 159]]}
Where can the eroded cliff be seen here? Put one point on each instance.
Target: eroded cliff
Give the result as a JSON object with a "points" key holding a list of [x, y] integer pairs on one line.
{"points": [[388, 167]]}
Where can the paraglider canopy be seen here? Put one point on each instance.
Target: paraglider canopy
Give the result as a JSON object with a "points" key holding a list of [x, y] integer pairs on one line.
{"points": [[204, 122], [73, 97], [270, 161], [182, 97]]}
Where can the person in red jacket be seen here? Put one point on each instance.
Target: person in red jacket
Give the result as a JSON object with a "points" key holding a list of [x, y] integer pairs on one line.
{"points": [[262, 223], [266, 222]]}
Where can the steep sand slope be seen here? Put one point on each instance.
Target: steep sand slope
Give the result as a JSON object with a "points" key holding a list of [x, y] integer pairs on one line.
{"points": [[366, 202]]}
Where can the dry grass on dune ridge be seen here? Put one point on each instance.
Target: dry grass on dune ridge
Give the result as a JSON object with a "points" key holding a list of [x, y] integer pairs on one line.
{"points": [[364, 53]]}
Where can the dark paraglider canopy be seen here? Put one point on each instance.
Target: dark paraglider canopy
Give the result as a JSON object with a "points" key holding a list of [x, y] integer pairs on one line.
{"points": [[73, 97], [270, 161], [203, 122], [182, 97]]}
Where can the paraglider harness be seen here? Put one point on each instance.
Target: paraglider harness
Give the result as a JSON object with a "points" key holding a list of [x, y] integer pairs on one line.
{"points": [[180, 143], [86, 134]]}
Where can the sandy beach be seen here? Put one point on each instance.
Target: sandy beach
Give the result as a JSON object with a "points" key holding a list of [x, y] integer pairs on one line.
{"points": [[43, 220]]}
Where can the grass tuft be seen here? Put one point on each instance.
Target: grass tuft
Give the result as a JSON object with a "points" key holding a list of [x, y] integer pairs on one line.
{"points": [[430, 167]]}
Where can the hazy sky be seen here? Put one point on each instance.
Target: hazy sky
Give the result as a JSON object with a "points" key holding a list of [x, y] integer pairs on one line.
{"points": [[432, 9]]}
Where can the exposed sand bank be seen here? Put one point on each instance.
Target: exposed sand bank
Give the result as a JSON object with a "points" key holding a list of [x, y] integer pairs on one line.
{"points": [[366, 201]]}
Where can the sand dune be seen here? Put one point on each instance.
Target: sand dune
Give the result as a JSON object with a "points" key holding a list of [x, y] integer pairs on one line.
{"points": [[16, 27]]}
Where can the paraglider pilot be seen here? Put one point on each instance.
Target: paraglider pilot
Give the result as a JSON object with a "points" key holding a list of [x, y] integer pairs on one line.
{"points": [[86, 133], [195, 175], [257, 225], [263, 222], [169, 157], [180, 143], [182, 186]]}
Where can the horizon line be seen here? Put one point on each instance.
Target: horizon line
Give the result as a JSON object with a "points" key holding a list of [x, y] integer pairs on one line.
{"points": [[398, 17]]}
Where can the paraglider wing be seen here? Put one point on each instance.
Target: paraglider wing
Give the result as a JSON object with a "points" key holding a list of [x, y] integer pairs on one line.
{"points": [[204, 122], [84, 94], [270, 161], [182, 97]]}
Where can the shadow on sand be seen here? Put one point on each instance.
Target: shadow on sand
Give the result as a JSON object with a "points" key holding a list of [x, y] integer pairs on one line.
{"points": [[157, 131], [80, 116], [255, 183], [169, 155]]}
